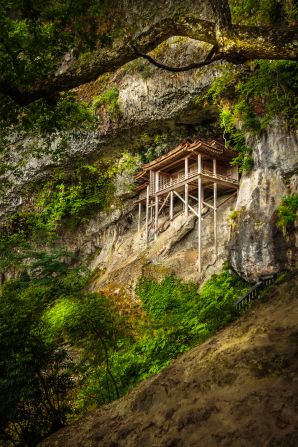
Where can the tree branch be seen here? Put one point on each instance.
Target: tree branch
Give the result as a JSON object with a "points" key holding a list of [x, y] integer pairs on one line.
{"points": [[211, 57], [235, 43]]}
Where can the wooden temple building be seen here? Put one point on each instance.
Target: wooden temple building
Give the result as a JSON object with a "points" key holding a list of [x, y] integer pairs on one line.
{"points": [[196, 173]]}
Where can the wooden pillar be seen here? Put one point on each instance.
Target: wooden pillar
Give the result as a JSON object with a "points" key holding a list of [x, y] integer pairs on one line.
{"points": [[199, 224], [214, 167], [171, 205], [186, 186], [139, 217], [215, 208], [199, 213], [199, 164], [147, 214], [156, 181], [156, 204]]}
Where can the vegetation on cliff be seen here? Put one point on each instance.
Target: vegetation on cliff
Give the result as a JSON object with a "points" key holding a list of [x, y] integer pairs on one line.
{"points": [[249, 98]]}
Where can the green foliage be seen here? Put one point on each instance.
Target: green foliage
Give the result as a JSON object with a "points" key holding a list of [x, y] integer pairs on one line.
{"points": [[89, 324], [153, 146], [233, 215], [172, 303], [86, 189], [264, 12], [35, 36], [287, 213], [109, 99], [235, 139], [257, 93], [12, 250], [71, 197], [35, 371], [47, 313], [249, 98], [178, 317]]}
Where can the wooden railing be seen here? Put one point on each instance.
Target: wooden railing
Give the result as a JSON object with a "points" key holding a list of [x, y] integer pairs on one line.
{"points": [[166, 182], [246, 301]]}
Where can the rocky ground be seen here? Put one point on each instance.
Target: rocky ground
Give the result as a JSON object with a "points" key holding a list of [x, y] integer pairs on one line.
{"points": [[237, 389]]}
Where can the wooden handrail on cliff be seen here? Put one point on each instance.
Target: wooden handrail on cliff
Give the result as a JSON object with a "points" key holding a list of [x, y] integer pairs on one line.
{"points": [[245, 301]]}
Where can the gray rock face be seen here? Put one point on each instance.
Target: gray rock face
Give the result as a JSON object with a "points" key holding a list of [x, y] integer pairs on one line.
{"points": [[256, 247], [152, 100], [118, 255], [149, 101]]}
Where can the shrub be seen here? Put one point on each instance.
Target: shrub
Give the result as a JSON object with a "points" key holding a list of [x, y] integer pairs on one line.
{"points": [[287, 213]]}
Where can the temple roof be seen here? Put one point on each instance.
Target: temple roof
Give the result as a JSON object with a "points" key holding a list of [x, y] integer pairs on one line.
{"points": [[211, 148]]}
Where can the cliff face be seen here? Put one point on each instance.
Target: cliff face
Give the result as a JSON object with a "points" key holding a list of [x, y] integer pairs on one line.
{"points": [[256, 247], [251, 242], [237, 389], [151, 101]]}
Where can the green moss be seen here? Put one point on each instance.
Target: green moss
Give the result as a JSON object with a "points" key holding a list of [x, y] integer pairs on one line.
{"points": [[257, 92], [69, 197], [109, 99], [233, 215], [264, 12], [287, 213]]}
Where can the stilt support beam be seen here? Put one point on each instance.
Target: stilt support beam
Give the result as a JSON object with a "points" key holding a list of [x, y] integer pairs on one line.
{"points": [[186, 186], [147, 215], [139, 217], [215, 208], [199, 224], [171, 206]]}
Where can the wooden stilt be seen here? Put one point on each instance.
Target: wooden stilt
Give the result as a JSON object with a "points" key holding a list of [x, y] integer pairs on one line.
{"points": [[156, 204], [215, 208], [186, 186], [139, 217], [199, 224], [171, 205], [215, 216], [199, 164], [147, 215]]}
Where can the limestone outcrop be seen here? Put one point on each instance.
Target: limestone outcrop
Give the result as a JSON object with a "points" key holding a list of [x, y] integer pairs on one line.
{"points": [[152, 100], [256, 247]]}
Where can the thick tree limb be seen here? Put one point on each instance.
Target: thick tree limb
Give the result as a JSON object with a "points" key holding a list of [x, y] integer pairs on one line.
{"points": [[235, 43]]}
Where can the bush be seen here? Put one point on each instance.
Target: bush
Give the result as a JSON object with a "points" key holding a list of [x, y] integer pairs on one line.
{"points": [[287, 213], [35, 378]]}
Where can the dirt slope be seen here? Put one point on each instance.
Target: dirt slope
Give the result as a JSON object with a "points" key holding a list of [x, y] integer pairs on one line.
{"points": [[237, 389]]}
